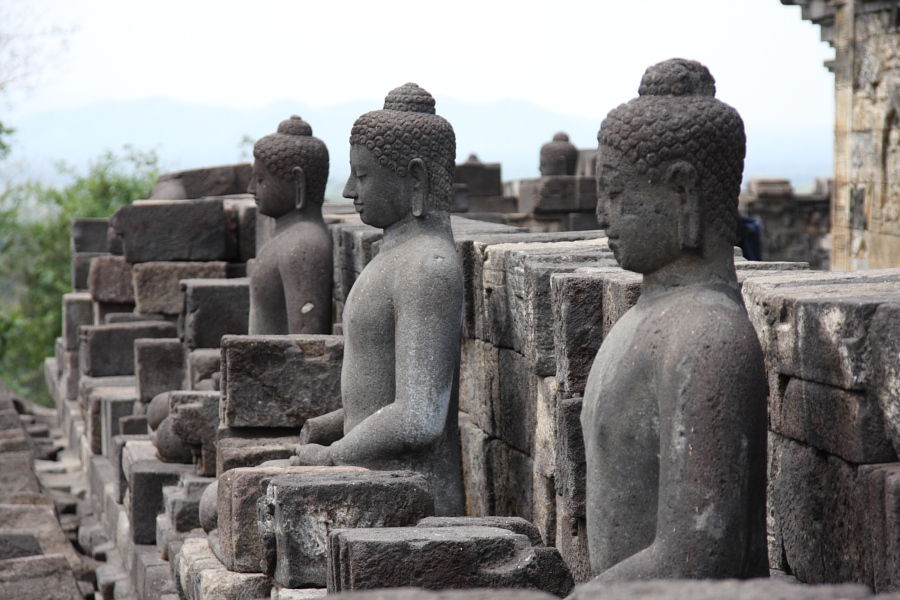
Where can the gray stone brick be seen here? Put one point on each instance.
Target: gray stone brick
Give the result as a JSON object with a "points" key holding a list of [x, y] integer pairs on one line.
{"points": [[884, 367], [156, 288], [108, 350], [220, 180], [280, 381], [38, 577], [214, 308], [479, 382], [157, 230], [234, 452], [88, 235], [195, 419], [146, 479], [565, 193], [476, 469], [570, 459], [201, 364], [512, 476], [571, 540], [80, 269], [158, 366], [77, 310], [109, 280]]}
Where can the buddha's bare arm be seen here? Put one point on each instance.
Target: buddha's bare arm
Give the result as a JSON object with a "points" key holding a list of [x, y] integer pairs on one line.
{"points": [[307, 298], [709, 407], [428, 317], [323, 430]]}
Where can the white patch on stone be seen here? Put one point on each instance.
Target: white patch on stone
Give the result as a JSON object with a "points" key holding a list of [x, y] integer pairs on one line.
{"points": [[307, 307]]}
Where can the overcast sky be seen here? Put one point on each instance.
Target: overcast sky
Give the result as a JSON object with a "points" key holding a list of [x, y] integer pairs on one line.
{"points": [[574, 57]]}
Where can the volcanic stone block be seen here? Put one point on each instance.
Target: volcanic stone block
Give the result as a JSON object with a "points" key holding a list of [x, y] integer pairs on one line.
{"points": [[476, 468], [571, 540], [153, 577], [108, 350], [80, 269], [17, 545], [441, 558], [209, 181], [113, 406], [146, 479], [200, 575], [158, 230], [93, 411], [118, 459], [564, 193], [234, 452], [156, 288], [195, 419], [515, 411], [514, 524], [17, 475], [816, 501], [512, 474], [214, 308], [77, 310], [299, 510], [280, 381], [182, 502], [544, 446], [847, 424], [158, 367], [884, 366], [88, 235], [43, 524], [238, 494], [482, 179], [246, 218], [110, 280], [479, 382], [33, 577], [751, 589], [570, 460], [621, 290], [201, 364], [577, 300]]}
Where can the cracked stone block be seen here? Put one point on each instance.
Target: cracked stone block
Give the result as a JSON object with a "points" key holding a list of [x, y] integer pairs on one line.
{"points": [[477, 481], [214, 308], [512, 474], [108, 350], [479, 382], [161, 230], [156, 284], [158, 367], [280, 381], [884, 366], [298, 511], [109, 280], [441, 558]]}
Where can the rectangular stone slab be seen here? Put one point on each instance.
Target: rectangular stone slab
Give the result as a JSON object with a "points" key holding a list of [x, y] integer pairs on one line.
{"points": [[88, 235], [158, 230], [214, 308], [238, 494], [303, 508], [280, 381], [109, 280], [146, 480], [78, 310], [38, 577], [158, 366], [108, 350], [156, 288]]}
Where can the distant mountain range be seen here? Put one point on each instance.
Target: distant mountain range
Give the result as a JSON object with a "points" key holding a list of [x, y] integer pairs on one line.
{"points": [[510, 132]]}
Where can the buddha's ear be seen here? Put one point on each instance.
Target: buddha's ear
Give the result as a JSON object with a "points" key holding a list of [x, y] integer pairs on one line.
{"points": [[419, 174], [681, 177], [300, 182]]}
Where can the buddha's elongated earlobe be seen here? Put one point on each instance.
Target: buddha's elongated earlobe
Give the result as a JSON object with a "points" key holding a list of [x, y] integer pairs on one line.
{"points": [[419, 173], [300, 183], [682, 177]]}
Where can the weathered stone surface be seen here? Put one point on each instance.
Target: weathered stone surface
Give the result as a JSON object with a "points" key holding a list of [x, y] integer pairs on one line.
{"points": [[479, 382], [577, 300], [201, 364], [113, 406], [104, 311], [815, 325], [195, 419], [481, 179], [440, 558], [234, 452], [476, 468], [43, 524], [884, 367], [117, 459], [299, 510], [753, 589], [245, 212], [239, 491], [514, 524], [160, 230], [158, 367], [110, 280], [38, 578], [570, 459], [571, 540], [17, 545], [156, 288], [515, 411], [199, 575], [108, 350], [88, 235], [153, 577], [558, 194], [543, 512], [93, 411], [280, 381], [80, 269], [146, 480], [816, 502], [543, 449], [208, 181], [214, 308], [226, 585], [844, 423], [512, 475], [77, 310]]}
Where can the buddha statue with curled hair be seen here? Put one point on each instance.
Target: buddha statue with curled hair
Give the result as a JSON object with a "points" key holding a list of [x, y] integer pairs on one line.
{"points": [[558, 156], [403, 316], [291, 277], [674, 413]]}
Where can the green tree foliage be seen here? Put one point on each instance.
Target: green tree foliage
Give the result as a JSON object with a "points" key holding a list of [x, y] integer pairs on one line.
{"points": [[34, 255]]}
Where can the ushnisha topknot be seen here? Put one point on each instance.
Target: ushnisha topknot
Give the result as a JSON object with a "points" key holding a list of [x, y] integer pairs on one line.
{"points": [[294, 145], [407, 128], [677, 117]]}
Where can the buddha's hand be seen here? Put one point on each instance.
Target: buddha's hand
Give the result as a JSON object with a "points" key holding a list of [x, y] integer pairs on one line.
{"points": [[312, 455]]}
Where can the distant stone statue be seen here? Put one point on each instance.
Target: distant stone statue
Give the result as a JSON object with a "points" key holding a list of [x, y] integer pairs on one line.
{"points": [[403, 316], [291, 278], [674, 413], [558, 157]]}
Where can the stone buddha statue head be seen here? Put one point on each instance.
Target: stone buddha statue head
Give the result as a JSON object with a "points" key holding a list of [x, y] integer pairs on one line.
{"points": [[290, 169], [405, 153], [558, 157], [669, 169]]}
